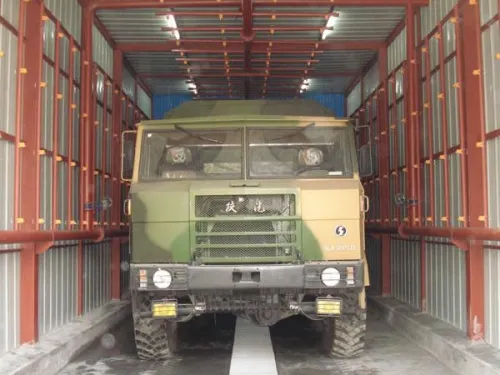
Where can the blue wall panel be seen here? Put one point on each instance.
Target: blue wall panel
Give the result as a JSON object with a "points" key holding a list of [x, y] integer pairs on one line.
{"points": [[335, 102], [164, 103]]}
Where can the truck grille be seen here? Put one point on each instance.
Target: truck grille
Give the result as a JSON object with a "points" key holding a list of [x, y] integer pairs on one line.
{"points": [[256, 228]]}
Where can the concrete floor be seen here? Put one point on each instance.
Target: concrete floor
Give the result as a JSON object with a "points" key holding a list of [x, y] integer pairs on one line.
{"points": [[206, 350]]}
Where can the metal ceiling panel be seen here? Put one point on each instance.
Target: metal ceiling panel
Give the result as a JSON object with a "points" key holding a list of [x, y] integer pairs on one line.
{"points": [[353, 23], [365, 23]]}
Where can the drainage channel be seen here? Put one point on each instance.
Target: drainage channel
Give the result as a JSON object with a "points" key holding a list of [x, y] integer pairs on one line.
{"points": [[252, 350]]}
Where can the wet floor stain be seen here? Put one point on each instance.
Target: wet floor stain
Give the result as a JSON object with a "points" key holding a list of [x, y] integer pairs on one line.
{"points": [[207, 345]]}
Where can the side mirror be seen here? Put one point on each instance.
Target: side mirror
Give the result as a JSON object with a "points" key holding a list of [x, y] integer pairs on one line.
{"points": [[365, 160], [128, 151]]}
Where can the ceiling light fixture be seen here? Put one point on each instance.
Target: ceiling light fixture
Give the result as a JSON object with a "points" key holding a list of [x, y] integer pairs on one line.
{"points": [[329, 25], [170, 19]]}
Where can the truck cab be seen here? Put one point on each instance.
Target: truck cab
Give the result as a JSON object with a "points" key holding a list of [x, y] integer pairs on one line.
{"points": [[250, 207]]}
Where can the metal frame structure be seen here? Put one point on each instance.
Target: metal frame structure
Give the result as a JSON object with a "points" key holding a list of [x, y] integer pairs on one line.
{"points": [[469, 237], [473, 232]]}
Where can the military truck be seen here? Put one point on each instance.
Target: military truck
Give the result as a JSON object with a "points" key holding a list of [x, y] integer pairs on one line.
{"points": [[247, 207]]}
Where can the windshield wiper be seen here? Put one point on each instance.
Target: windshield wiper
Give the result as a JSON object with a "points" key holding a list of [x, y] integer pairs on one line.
{"points": [[178, 127], [295, 133]]}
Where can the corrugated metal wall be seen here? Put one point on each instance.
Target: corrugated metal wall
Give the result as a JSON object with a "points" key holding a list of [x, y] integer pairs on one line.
{"points": [[371, 80], [57, 287], [97, 275], [9, 261], [102, 52], [57, 270], [374, 258], [491, 81], [445, 274], [69, 12], [10, 279], [405, 266], [396, 52], [354, 99], [144, 101], [445, 264], [128, 84]]}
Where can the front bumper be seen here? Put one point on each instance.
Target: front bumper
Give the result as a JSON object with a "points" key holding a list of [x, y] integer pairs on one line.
{"points": [[192, 279]]}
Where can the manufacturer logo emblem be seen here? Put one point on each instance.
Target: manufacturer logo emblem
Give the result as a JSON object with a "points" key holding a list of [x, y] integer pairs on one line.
{"points": [[341, 231]]}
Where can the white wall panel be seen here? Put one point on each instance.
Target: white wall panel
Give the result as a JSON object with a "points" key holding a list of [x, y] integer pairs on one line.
{"points": [[371, 80], [354, 99], [69, 13], [396, 53], [57, 288], [97, 275], [405, 275], [128, 84], [445, 273], [10, 280], [144, 101], [102, 52], [433, 13]]}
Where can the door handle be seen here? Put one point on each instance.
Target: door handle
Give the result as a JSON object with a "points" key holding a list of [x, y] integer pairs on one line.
{"points": [[366, 203]]}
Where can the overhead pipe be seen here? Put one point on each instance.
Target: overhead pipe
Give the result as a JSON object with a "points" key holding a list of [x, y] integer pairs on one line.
{"points": [[97, 234], [453, 233]]}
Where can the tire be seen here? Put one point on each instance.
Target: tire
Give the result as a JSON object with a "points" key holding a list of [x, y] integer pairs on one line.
{"points": [[345, 337], [155, 339]]}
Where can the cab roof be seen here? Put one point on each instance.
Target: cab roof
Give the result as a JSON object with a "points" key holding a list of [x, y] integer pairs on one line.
{"points": [[217, 108]]}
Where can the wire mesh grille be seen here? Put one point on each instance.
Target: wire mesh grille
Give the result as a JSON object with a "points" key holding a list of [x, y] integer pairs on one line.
{"points": [[246, 237]]}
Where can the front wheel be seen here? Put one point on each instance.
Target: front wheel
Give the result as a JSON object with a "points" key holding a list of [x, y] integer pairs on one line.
{"points": [[344, 337], [155, 339]]}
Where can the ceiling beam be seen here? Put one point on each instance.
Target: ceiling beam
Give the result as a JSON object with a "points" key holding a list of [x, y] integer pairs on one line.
{"points": [[225, 13], [130, 4], [247, 74], [235, 46], [247, 35]]}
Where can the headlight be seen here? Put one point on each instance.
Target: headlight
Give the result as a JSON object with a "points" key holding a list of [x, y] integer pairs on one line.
{"points": [[330, 276], [162, 279]]}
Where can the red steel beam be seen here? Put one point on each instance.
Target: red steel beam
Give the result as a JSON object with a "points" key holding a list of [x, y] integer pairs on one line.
{"points": [[242, 30], [247, 35], [411, 114], [29, 164], [259, 46], [223, 14], [115, 169], [233, 74], [477, 196], [129, 4], [383, 102]]}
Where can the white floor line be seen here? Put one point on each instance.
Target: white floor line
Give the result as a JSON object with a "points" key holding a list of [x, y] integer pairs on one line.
{"points": [[252, 350]]}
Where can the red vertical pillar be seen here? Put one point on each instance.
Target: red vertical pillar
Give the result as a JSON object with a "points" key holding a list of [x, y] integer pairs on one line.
{"points": [[475, 163], [383, 101], [87, 117], [115, 170], [30, 166], [411, 114]]}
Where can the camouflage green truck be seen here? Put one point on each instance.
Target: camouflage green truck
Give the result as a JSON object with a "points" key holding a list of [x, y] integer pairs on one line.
{"points": [[248, 207]]}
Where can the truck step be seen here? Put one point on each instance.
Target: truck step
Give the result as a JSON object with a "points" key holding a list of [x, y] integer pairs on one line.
{"points": [[252, 350]]}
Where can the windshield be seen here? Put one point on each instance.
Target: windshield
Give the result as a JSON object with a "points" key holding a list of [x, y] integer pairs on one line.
{"points": [[309, 152], [185, 153], [191, 154]]}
